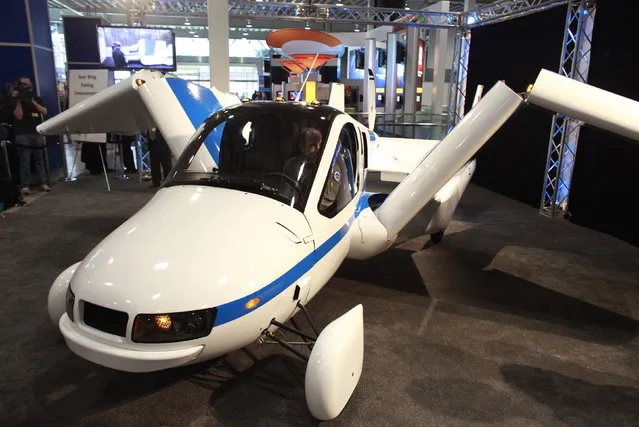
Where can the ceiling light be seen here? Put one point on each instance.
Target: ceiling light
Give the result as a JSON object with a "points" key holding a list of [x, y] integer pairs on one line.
{"points": [[357, 28]]}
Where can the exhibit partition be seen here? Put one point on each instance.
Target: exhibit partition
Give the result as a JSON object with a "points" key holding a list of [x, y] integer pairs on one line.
{"points": [[26, 49]]}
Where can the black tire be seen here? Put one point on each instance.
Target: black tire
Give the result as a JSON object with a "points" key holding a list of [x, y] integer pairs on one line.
{"points": [[437, 237]]}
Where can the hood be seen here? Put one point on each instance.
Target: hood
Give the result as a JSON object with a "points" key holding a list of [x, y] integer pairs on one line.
{"points": [[193, 247]]}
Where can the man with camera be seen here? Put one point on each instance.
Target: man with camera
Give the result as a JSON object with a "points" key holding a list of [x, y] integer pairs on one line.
{"points": [[27, 114]]}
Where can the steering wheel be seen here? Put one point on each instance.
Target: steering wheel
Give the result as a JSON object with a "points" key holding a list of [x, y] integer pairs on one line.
{"points": [[289, 180]]}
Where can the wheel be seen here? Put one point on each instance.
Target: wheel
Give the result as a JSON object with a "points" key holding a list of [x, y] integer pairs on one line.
{"points": [[437, 237]]}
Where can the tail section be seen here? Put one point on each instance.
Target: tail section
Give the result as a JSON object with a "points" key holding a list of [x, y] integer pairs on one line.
{"points": [[336, 96], [370, 91], [478, 94], [447, 158], [141, 102]]}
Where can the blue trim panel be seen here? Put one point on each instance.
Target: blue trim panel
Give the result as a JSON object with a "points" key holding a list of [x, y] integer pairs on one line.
{"points": [[199, 103], [40, 23], [14, 28]]}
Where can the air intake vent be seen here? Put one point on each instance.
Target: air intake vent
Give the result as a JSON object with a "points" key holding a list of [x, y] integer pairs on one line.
{"points": [[105, 320]]}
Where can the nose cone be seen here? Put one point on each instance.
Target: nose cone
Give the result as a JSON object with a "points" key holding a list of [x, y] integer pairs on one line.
{"points": [[193, 247]]}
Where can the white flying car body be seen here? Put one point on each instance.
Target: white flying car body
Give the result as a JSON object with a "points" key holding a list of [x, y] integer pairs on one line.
{"points": [[250, 224]]}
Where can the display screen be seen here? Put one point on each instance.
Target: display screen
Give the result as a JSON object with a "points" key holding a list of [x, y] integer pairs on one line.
{"points": [[134, 48]]}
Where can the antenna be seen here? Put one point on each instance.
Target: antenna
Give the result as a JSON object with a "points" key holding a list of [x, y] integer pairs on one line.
{"points": [[297, 98]]}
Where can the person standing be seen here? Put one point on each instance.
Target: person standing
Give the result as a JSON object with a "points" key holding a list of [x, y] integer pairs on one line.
{"points": [[160, 154], [27, 114]]}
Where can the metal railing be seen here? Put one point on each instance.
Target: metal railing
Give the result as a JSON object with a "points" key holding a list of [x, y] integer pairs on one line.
{"points": [[419, 125]]}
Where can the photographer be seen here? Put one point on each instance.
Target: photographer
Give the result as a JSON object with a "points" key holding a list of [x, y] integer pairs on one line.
{"points": [[27, 114]]}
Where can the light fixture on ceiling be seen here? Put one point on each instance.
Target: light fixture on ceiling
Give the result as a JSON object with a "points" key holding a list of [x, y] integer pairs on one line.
{"points": [[357, 28], [406, 6]]}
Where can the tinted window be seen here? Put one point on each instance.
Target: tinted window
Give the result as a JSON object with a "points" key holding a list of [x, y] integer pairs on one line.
{"points": [[340, 186], [266, 148]]}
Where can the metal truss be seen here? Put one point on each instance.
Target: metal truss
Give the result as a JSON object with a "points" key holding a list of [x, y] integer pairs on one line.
{"points": [[268, 10], [508, 9], [564, 134], [343, 14], [458, 77]]}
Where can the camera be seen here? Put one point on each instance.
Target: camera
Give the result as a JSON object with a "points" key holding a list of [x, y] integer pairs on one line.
{"points": [[24, 90]]}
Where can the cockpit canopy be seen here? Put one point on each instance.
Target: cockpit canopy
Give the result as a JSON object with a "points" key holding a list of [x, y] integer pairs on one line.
{"points": [[268, 148]]}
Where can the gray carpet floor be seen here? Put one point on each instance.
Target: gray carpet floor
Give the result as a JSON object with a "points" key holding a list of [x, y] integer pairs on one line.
{"points": [[514, 319]]}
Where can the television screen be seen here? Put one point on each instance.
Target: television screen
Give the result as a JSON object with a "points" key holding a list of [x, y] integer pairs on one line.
{"points": [[134, 48]]}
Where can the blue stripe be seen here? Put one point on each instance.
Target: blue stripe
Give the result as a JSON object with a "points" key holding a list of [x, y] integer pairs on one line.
{"points": [[236, 309], [372, 135], [362, 203], [199, 103]]}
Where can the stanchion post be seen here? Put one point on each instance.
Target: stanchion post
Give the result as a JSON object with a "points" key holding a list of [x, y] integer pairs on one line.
{"points": [[46, 159], [6, 157], [106, 177]]}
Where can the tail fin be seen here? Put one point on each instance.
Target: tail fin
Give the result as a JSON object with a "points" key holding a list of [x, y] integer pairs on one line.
{"points": [[370, 90], [141, 102], [478, 94], [336, 97], [447, 158]]}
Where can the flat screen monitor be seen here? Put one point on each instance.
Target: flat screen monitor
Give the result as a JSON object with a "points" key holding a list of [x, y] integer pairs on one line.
{"points": [[135, 48]]}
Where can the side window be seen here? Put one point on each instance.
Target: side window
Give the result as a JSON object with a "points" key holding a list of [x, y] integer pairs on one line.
{"points": [[340, 186]]}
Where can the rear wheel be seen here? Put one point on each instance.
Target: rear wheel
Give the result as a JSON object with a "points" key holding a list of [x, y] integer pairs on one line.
{"points": [[437, 237]]}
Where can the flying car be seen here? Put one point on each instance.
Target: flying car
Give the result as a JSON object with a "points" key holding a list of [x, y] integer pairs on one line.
{"points": [[264, 203]]}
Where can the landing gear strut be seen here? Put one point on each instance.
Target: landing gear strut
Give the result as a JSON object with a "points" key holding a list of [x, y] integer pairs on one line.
{"points": [[335, 364]]}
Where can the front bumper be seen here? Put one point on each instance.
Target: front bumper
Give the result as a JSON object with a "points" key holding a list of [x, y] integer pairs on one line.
{"points": [[123, 359]]}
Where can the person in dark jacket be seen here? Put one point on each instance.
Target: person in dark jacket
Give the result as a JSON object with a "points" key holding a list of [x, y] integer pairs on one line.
{"points": [[160, 154]]}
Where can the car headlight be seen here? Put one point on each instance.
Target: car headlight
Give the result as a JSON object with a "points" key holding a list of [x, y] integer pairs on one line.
{"points": [[173, 327], [70, 301]]}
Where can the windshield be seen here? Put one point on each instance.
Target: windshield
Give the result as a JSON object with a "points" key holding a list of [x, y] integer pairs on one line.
{"points": [[267, 148]]}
